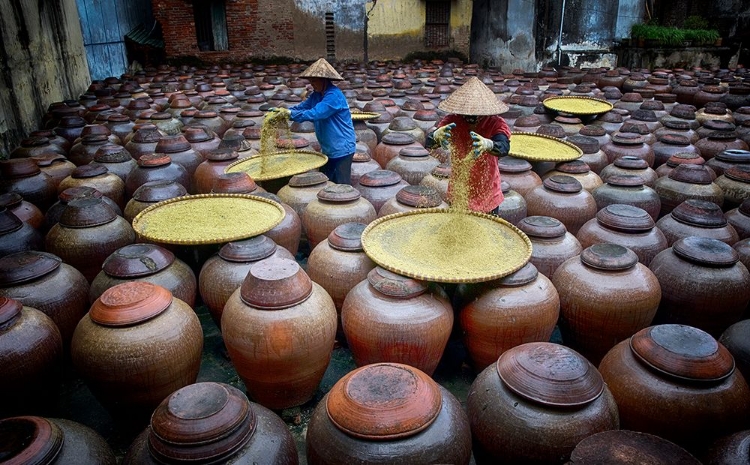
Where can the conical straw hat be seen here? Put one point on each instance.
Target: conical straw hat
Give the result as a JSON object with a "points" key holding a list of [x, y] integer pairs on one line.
{"points": [[473, 98], [321, 69]]}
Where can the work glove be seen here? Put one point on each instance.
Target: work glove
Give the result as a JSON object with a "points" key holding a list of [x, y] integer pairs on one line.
{"points": [[442, 135], [480, 144], [277, 114]]}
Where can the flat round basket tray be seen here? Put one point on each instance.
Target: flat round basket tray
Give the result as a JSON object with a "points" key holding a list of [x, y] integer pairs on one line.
{"points": [[275, 165], [208, 219], [363, 115], [446, 246], [539, 147], [577, 105]]}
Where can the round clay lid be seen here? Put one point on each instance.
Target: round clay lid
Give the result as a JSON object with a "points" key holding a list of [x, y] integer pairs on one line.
{"points": [[156, 191], [609, 257], [625, 218], [723, 135], [47, 159], [734, 156], [674, 139], [172, 144], [221, 154], [685, 158], [744, 207], [9, 222], [700, 213], [195, 134], [395, 285], [677, 124], [87, 212], [89, 171], [625, 180], [153, 160], [137, 260], [719, 125], [705, 251], [347, 237], [112, 153], [738, 173], [414, 152], [79, 192], [10, 200], [309, 178], [544, 227], [550, 374], [504, 187], [9, 309], [592, 130], [682, 352], [398, 138], [359, 157], [29, 440], [573, 167], [402, 123], [419, 196], [630, 162], [587, 144], [691, 174], [234, 183], [275, 284], [384, 401], [442, 171], [248, 250], [130, 303], [623, 447], [563, 184], [513, 165], [380, 178], [18, 168], [628, 138], [527, 274], [201, 423], [339, 193]]}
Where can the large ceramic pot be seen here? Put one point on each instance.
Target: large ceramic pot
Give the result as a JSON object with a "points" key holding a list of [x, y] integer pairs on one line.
{"points": [[535, 404], [677, 382], [303, 189], [439, 178], [391, 144], [628, 190], [411, 198], [623, 447], [728, 158], [288, 233], [697, 218], [671, 144], [23, 176], [55, 166], [518, 173], [564, 198], [362, 163], [277, 300], [578, 170], [383, 314], [413, 164], [181, 152], [739, 218], [681, 159], [388, 413], [687, 182], [335, 205], [379, 186], [629, 144], [630, 166], [17, 236], [151, 193], [729, 450], [116, 159], [736, 339], [513, 207], [594, 317], [155, 167], [551, 243], [52, 216], [25, 211], [207, 171], [98, 177], [735, 185]]}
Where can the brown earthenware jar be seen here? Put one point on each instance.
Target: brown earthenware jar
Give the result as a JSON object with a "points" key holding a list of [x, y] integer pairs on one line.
{"points": [[628, 144], [414, 420], [17, 236], [150, 193], [209, 170], [23, 176], [362, 163], [439, 178], [630, 166], [148, 330], [155, 167], [25, 211], [623, 447], [513, 207], [31, 353], [223, 273], [735, 184], [736, 338], [697, 218], [728, 158], [303, 189], [116, 159], [703, 284], [536, 403], [671, 144], [551, 243], [593, 317], [518, 173], [519, 308], [55, 166], [202, 139], [379, 186], [729, 450], [578, 170], [35, 146], [391, 144], [413, 164], [739, 219], [212, 422], [412, 197], [335, 205], [52, 216], [677, 382], [718, 141], [83, 152], [366, 135], [681, 159], [382, 314], [144, 141], [278, 300], [687, 182], [180, 152], [564, 198], [628, 190], [288, 233], [98, 177]]}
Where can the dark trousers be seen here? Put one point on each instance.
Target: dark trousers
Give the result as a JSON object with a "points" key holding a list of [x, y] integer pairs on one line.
{"points": [[339, 170]]}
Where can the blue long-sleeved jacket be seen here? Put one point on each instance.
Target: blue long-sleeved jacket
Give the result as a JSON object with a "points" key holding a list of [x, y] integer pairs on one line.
{"points": [[329, 112]]}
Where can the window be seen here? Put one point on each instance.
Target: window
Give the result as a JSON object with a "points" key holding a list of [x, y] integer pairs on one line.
{"points": [[437, 23], [211, 25]]}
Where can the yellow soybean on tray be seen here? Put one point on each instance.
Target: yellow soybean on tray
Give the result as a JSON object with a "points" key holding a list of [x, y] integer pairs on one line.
{"points": [[539, 147], [577, 105], [276, 165]]}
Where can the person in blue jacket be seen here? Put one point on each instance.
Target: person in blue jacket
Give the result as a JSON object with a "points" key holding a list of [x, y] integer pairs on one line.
{"points": [[329, 111]]}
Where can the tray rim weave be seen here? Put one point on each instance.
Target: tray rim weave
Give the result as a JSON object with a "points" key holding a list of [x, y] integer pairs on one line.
{"points": [[425, 277], [229, 238], [364, 115], [577, 97], [544, 136], [323, 160]]}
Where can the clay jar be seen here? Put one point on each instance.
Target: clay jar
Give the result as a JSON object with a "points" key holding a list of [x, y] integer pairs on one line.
{"points": [[279, 318], [31, 353], [736, 339], [578, 170], [687, 182], [413, 164], [678, 383], [335, 205], [697, 218], [362, 163], [52, 216], [288, 233], [551, 243], [703, 284], [624, 447], [718, 141], [735, 185], [55, 166], [24, 211], [728, 158], [391, 144], [17, 236], [624, 225], [518, 173], [209, 170], [629, 144], [155, 167], [180, 151], [564, 198], [732, 449], [35, 146], [439, 178], [411, 198], [519, 308], [146, 262], [739, 219], [150, 193], [606, 295], [136, 346], [88, 232], [414, 420], [681, 159], [628, 190], [671, 144], [116, 159], [98, 177], [212, 421], [513, 207], [379, 186], [53, 441], [631, 166], [536, 403], [23, 176], [303, 189], [223, 273], [382, 315]]}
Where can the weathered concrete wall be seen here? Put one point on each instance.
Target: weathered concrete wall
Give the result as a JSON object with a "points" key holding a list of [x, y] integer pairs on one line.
{"points": [[629, 12], [43, 61], [503, 34]]}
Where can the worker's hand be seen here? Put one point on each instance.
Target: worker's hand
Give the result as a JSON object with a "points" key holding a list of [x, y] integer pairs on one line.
{"points": [[277, 114], [442, 135], [480, 144]]}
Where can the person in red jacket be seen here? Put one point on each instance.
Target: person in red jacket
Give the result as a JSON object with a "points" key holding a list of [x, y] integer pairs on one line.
{"points": [[474, 129]]}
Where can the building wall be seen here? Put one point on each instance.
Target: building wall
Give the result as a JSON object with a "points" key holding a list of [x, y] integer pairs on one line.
{"points": [[43, 61], [503, 34]]}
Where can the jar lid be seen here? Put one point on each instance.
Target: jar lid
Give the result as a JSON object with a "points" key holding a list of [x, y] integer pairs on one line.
{"points": [[677, 124], [554, 130], [630, 162], [9, 309], [248, 250], [201, 423], [705, 251], [738, 173], [398, 138], [395, 285], [275, 284], [359, 157], [234, 183], [544, 227], [592, 130], [562, 183], [443, 171], [156, 191], [136, 260], [419, 196], [10, 200], [744, 207], [588, 145], [624, 447], [734, 156], [87, 212], [78, 192], [674, 139], [573, 167], [607, 256], [723, 135], [18, 168], [88, 171], [719, 125], [309, 178], [152, 160], [550, 374], [46, 159], [527, 274], [685, 158], [628, 138], [625, 180], [691, 174], [9, 222], [504, 187], [30, 440], [221, 154], [195, 134], [380, 178], [384, 401], [112, 153], [700, 213], [339, 193], [513, 165], [130, 303], [683, 352], [625, 218], [172, 144], [414, 152], [347, 237], [26, 266]]}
